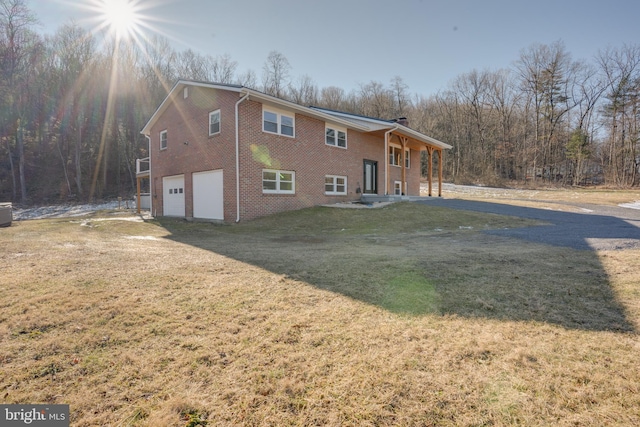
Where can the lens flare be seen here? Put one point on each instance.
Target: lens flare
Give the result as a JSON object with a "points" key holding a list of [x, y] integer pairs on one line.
{"points": [[121, 17]]}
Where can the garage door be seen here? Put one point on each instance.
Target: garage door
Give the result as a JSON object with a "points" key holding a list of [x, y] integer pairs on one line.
{"points": [[208, 198], [173, 195]]}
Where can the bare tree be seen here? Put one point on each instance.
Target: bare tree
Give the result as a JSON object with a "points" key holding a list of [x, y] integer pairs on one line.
{"points": [[332, 97], [304, 92], [73, 51], [223, 68], [275, 74], [17, 43], [621, 68], [194, 66], [248, 79], [158, 70], [547, 73], [401, 97], [376, 100]]}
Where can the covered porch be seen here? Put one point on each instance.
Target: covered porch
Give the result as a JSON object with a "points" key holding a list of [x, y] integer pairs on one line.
{"points": [[143, 176], [400, 141]]}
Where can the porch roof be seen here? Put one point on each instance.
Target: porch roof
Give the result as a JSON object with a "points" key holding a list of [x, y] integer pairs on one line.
{"points": [[385, 125]]}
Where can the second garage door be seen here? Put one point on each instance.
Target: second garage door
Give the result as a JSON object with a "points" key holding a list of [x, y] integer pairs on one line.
{"points": [[208, 195]]}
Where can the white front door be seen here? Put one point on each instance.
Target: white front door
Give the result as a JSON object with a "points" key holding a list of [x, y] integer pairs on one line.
{"points": [[208, 195], [173, 195]]}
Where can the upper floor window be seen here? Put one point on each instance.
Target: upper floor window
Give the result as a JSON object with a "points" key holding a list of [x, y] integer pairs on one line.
{"points": [[395, 156], [214, 122], [278, 122], [163, 140], [335, 137]]}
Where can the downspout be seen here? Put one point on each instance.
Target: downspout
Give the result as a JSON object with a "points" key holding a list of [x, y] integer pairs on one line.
{"points": [[150, 178], [238, 158], [386, 157]]}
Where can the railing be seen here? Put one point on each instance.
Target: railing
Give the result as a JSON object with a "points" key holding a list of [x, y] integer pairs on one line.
{"points": [[143, 166]]}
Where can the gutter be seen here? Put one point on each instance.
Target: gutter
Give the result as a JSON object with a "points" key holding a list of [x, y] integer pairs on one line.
{"points": [[238, 158], [386, 157]]}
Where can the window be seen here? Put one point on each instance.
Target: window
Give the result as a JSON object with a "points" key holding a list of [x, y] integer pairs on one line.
{"points": [[395, 156], [397, 188], [277, 122], [336, 137], [214, 122], [163, 140], [270, 122], [286, 125], [278, 182], [335, 185]]}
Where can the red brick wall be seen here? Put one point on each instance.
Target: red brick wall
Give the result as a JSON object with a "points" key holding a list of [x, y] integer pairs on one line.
{"points": [[306, 154], [187, 120]]}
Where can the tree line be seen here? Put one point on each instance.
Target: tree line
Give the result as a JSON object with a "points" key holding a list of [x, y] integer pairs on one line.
{"points": [[72, 105]]}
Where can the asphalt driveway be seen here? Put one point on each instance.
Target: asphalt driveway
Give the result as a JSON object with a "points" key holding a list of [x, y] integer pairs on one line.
{"points": [[595, 228]]}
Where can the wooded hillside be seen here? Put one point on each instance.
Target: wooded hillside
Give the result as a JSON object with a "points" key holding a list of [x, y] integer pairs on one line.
{"points": [[72, 106]]}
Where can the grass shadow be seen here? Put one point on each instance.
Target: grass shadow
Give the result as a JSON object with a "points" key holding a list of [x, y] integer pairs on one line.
{"points": [[413, 259]]}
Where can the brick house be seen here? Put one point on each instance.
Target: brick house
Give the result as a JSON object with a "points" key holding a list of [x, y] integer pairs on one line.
{"points": [[230, 153]]}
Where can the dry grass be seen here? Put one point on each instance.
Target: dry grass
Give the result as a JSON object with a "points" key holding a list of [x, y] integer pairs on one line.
{"points": [[406, 315]]}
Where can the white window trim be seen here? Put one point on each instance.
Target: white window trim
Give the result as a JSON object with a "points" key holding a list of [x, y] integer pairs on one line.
{"points": [[335, 186], [219, 122], [397, 185], [336, 129], [166, 140], [278, 190], [407, 154], [279, 114]]}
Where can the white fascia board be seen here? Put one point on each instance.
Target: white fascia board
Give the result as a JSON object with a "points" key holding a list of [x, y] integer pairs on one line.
{"points": [[311, 112], [180, 84]]}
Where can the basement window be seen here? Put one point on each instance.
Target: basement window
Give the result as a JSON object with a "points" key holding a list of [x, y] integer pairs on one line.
{"points": [[335, 185], [278, 182]]}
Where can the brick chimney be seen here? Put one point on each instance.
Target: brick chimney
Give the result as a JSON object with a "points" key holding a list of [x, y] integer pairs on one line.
{"points": [[402, 121]]}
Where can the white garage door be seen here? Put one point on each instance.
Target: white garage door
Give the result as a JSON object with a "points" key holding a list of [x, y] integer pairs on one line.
{"points": [[173, 195], [208, 197]]}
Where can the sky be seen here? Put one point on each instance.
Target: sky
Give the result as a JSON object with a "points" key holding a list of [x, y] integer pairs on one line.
{"points": [[347, 43]]}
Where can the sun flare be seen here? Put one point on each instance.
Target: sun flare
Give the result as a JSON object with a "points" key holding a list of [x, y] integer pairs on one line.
{"points": [[121, 16]]}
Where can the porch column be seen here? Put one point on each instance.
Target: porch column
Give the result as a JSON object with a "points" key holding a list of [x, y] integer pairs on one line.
{"points": [[387, 175], [138, 194], [440, 172], [404, 166], [430, 168]]}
